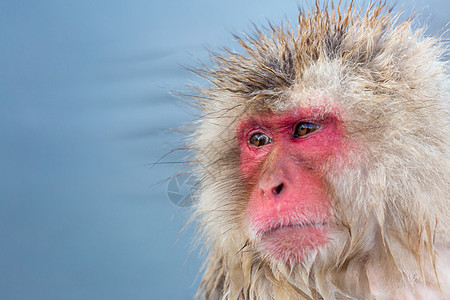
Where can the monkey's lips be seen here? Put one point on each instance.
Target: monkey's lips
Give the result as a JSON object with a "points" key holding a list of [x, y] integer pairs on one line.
{"points": [[293, 243]]}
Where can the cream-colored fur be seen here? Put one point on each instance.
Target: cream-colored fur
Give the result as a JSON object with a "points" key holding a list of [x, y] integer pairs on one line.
{"points": [[390, 235]]}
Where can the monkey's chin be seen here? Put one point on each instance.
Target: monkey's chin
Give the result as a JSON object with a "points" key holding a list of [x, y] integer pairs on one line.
{"points": [[294, 244]]}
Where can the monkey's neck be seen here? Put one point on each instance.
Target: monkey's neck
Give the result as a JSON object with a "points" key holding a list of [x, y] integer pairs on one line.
{"points": [[413, 288], [243, 276]]}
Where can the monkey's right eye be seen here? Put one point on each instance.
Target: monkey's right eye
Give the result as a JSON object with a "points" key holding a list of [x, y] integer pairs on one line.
{"points": [[260, 139]]}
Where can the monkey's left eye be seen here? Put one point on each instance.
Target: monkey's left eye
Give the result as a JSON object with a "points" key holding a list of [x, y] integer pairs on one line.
{"points": [[260, 139], [304, 128]]}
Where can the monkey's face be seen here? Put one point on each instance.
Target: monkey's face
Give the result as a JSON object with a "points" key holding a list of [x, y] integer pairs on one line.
{"points": [[322, 161], [284, 157]]}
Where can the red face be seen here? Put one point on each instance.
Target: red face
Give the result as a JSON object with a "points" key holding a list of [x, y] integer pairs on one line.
{"points": [[282, 156]]}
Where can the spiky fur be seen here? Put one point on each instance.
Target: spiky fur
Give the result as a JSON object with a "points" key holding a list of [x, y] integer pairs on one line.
{"points": [[391, 204]]}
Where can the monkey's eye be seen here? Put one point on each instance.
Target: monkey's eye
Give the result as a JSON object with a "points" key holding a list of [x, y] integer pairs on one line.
{"points": [[304, 128], [260, 139]]}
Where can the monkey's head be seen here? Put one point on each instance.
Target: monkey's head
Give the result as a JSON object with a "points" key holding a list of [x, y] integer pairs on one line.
{"points": [[322, 158]]}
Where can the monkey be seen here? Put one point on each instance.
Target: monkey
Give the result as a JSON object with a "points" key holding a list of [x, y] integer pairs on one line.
{"points": [[322, 161]]}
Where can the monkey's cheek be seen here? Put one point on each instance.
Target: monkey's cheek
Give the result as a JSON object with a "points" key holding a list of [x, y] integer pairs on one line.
{"points": [[294, 244]]}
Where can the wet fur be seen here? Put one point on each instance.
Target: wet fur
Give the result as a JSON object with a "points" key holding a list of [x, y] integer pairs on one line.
{"points": [[391, 203]]}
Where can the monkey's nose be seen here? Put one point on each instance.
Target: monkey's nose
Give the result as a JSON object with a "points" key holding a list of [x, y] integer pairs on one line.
{"points": [[277, 190], [273, 192], [275, 180]]}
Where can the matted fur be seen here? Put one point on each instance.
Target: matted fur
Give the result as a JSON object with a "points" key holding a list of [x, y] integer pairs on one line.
{"points": [[390, 204]]}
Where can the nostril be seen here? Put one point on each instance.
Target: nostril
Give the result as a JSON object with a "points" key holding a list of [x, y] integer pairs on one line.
{"points": [[277, 190]]}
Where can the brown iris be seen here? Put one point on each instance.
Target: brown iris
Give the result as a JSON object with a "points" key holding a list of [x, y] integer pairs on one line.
{"points": [[260, 139], [304, 128]]}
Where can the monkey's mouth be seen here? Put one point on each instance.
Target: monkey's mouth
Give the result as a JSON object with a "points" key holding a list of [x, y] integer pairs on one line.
{"points": [[293, 243], [316, 225]]}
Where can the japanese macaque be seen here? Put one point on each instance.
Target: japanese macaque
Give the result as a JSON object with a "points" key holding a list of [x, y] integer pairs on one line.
{"points": [[322, 158]]}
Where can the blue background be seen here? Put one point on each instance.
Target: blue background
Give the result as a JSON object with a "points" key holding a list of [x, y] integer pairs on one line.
{"points": [[85, 111]]}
